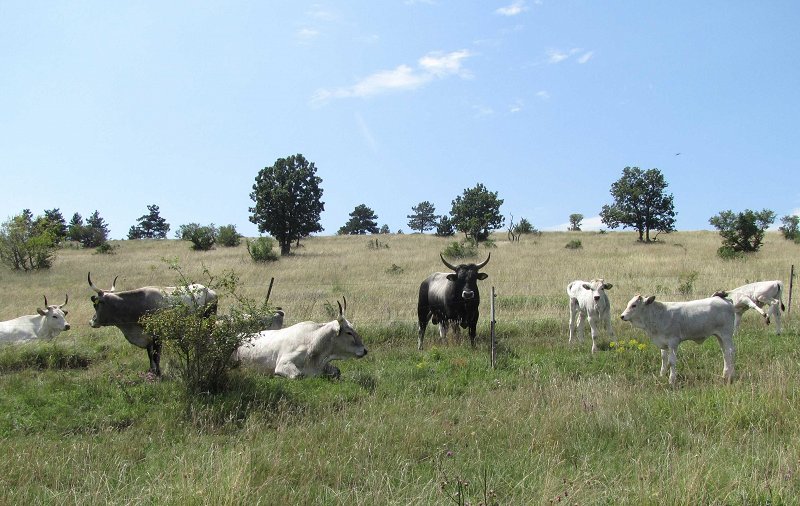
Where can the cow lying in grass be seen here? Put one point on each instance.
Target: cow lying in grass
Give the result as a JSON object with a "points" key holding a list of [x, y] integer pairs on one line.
{"points": [[589, 299], [304, 349], [47, 324], [670, 323]]}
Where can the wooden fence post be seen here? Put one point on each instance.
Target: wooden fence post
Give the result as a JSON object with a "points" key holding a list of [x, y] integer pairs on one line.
{"points": [[493, 357], [791, 287]]}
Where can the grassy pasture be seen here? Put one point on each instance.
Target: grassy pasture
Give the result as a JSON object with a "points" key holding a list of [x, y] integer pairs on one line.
{"points": [[80, 423]]}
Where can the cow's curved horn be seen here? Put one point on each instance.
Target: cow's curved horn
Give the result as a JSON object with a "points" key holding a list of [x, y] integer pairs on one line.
{"points": [[99, 291], [448, 264], [483, 264], [345, 303], [45, 300], [66, 299], [340, 308], [114, 284]]}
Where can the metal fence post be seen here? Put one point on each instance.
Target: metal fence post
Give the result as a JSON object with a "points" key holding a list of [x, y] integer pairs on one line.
{"points": [[492, 325]]}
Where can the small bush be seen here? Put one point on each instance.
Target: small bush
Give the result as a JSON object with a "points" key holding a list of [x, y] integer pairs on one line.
{"points": [[105, 249], [375, 244], [24, 248], [574, 244], [686, 282], [201, 348], [261, 250], [228, 236], [184, 232], [729, 253], [395, 269], [203, 238], [463, 249]]}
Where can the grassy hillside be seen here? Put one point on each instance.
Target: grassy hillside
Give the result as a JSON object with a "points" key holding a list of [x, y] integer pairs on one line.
{"points": [[80, 423]]}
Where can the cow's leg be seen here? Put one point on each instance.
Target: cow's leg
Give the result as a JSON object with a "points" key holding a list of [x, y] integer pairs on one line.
{"points": [[664, 361], [154, 354], [423, 324], [593, 324], [573, 315], [775, 308], [581, 324], [472, 333], [288, 369], [673, 365], [609, 328], [737, 320], [331, 371], [728, 357]]}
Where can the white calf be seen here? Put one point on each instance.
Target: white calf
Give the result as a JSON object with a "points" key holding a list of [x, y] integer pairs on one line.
{"points": [[47, 324], [756, 296], [589, 299], [670, 323], [304, 349]]}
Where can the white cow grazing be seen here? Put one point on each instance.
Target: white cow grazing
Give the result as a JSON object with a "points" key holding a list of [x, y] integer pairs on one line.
{"points": [[589, 299], [669, 323], [47, 324], [304, 349], [757, 295]]}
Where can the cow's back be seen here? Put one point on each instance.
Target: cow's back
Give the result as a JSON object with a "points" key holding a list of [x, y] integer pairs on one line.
{"points": [[695, 319], [19, 329], [268, 347]]}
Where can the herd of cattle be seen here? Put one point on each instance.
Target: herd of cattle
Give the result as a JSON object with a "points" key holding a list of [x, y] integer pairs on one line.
{"points": [[447, 299]]}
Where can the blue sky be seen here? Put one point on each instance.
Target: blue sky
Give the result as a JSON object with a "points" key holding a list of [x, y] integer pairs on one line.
{"points": [[114, 106]]}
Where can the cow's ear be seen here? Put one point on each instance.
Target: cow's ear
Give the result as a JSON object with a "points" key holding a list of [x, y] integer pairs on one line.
{"points": [[650, 299], [452, 277], [41, 312], [607, 286], [482, 275], [337, 326]]}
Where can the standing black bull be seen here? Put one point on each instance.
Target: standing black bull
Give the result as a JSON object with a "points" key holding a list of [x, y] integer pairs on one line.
{"points": [[451, 299]]}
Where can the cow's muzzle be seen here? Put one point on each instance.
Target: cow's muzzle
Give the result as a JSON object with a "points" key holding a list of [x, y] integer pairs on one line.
{"points": [[467, 295]]}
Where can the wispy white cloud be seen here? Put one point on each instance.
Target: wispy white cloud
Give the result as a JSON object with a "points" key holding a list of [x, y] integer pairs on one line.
{"points": [[559, 55], [543, 94], [482, 111], [366, 133], [585, 57], [516, 7], [516, 107], [306, 35], [432, 66]]}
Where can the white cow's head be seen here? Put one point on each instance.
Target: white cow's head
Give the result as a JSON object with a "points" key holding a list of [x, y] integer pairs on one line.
{"points": [[346, 343], [636, 308], [54, 316], [597, 287]]}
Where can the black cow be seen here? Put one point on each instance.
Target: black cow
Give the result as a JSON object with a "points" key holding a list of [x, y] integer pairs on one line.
{"points": [[124, 309], [451, 299]]}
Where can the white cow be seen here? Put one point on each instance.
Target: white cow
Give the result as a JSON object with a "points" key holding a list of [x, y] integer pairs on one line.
{"points": [[47, 324], [669, 323], [304, 349], [757, 295], [589, 299]]}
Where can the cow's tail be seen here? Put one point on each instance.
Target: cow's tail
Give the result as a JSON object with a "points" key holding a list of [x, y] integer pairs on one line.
{"points": [[780, 295]]}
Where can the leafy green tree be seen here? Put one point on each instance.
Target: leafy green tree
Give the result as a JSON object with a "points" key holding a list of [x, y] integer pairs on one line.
{"points": [[228, 236], [445, 228], [184, 232], [362, 220], [742, 232], [791, 227], [52, 222], [204, 238], [385, 229], [25, 247], [288, 200], [76, 228], [96, 231], [524, 227], [640, 202], [477, 212], [575, 222], [151, 225], [423, 218]]}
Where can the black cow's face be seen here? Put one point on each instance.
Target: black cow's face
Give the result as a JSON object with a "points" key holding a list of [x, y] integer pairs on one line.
{"points": [[466, 278]]}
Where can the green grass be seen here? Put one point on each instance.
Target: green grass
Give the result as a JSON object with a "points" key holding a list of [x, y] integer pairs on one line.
{"points": [[81, 424]]}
